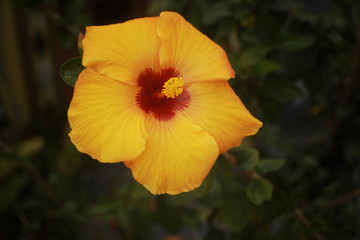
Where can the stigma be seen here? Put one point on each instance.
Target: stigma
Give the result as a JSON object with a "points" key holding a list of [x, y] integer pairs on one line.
{"points": [[173, 87]]}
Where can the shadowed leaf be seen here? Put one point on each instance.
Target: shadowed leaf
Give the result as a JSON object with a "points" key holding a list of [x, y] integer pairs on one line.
{"points": [[258, 191], [269, 165], [70, 70], [235, 211]]}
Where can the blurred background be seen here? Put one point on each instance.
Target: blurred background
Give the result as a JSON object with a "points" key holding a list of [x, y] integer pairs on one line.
{"points": [[297, 70]]}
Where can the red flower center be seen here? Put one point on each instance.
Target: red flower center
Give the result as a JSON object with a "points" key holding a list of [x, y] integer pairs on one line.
{"points": [[148, 97]]}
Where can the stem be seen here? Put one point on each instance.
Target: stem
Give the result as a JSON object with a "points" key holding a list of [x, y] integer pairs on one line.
{"points": [[230, 157], [38, 178], [305, 222], [341, 200]]}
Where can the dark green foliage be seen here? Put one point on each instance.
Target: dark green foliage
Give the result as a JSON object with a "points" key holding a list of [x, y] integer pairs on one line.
{"points": [[235, 211], [269, 165], [258, 191], [70, 70]]}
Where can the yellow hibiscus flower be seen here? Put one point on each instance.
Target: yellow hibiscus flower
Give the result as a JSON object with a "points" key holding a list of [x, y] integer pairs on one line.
{"points": [[154, 95]]}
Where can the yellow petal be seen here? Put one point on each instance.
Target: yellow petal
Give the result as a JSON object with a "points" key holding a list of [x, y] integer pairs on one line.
{"points": [[217, 109], [122, 51], [105, 120], [190, 52], [177, 157]]}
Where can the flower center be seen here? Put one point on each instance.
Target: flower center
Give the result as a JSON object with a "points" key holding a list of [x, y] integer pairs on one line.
{"points": [[173, 87], [162, 93]]}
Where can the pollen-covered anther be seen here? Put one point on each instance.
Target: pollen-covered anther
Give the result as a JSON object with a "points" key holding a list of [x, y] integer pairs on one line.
{"points": [[173, 87]]}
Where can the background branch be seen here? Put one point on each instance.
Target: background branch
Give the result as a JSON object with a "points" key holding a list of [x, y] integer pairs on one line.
{"points": [[305, 222], [341, 200]]}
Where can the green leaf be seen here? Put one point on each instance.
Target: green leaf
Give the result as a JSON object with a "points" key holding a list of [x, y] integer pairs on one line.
{"points": [[258, 191], [297, 43], [269, 165], [214, 197], [248, 159], [230, 183], [31, 147], [281, 90], [235, 211], [264, 67], [70, 70], [250, 57], [278, 205]]}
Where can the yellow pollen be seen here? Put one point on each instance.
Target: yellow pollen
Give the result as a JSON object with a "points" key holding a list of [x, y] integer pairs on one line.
{"points": [[173, 87]]}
